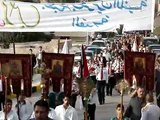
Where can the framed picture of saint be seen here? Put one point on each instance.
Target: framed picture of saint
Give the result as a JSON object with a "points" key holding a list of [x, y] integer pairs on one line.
{"points": [[15, 68], [5, 70], [142, 66], [139, 65], [57, 68]]}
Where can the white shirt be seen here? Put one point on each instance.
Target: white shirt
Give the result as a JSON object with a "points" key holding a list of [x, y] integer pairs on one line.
{"points": [[62, 87], [25, 110], [51, 114], [93, 98], [66, 114], [39, 56], [10, 116], [134, 84], [91, 68], [150, 112], [105, 74], [117, 66], [75, 86], [76, 71]]}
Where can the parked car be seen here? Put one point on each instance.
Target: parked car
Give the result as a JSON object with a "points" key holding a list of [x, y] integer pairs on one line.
{"points": [[90, 46], [99, 43], [96, 50], [156, 51], [89, 55], [153, 46], [150, 40]]}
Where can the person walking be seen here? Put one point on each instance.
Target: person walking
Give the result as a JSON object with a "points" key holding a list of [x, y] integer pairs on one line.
{"points": [[75, 91], [41, 111], [39, 56], [133, 110], [24, 108], [157, 74], [150, 111], [10, 114], [66, 111], [92, 104], [119, 113], [102, 77], [111, 83]]}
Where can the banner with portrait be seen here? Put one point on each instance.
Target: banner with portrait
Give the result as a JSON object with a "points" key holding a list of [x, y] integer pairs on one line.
{"points": [[17, 68], [140, 65], [61, 66]]}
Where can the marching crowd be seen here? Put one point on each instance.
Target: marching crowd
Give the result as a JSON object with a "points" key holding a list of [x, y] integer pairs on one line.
{"points": [[42, 111], [106, 70]]}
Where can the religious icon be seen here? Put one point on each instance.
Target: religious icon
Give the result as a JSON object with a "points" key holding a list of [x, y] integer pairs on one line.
{"points": [[15, 67], [57, 67], [139, 65], [5, 69]]}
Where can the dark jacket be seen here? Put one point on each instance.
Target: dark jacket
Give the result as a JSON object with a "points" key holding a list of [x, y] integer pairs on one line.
{"points": [[133, 110]]}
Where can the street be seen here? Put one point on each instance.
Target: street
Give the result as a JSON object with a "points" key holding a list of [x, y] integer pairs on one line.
{"points": [[106, 111], [103, 112]]}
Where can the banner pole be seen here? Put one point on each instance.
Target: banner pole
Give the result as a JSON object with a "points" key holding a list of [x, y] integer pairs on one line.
{"points": [[58, 45], [122, 92], [18, 111], [5, 117]]}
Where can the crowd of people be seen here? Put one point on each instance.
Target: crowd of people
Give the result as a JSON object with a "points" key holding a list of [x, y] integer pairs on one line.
{"points": [[41, 110], [106, 70]]}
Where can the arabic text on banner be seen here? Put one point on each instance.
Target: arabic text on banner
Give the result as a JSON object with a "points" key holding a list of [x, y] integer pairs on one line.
{"points": [[90, 16]]}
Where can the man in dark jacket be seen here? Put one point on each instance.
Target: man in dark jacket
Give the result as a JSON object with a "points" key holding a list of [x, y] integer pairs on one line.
{"points": [[133, 110], [158, 80]]}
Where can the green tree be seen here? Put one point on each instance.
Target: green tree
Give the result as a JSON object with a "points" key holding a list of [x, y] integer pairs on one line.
{"points": [[9, 37], [6, 39]]}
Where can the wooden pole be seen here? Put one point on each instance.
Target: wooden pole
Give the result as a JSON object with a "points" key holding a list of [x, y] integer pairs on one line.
{"points": [[86, 110], [18, 110], [85, 103], [122, 93], [5, 117], [14, 48], [58, 45]]}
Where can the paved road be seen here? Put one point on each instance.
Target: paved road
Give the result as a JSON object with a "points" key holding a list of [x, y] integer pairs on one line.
{"points": [[103, 112], [106, 111]]}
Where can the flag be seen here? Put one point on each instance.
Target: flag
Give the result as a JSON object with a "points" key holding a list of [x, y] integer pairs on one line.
{"points": [[84, 67], [65, 48]]}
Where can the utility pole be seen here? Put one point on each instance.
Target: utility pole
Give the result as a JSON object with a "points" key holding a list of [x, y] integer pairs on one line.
{"points": [[14, 48]]}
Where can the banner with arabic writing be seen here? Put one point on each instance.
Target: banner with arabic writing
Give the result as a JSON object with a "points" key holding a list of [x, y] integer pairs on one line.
{"points": [[91, 16]]}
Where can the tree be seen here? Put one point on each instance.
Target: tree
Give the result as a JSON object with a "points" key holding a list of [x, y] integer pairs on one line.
{"points": [[5, 39], [10, 37]]}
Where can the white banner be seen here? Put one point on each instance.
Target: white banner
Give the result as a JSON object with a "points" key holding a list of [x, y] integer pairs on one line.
{"points": [[91, 16]]}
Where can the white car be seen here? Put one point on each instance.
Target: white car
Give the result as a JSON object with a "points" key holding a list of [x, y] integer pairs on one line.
{"points": [[150, 40], [99, 43], [89, 55], [156, 51], [153, 46], [95, 49]]}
